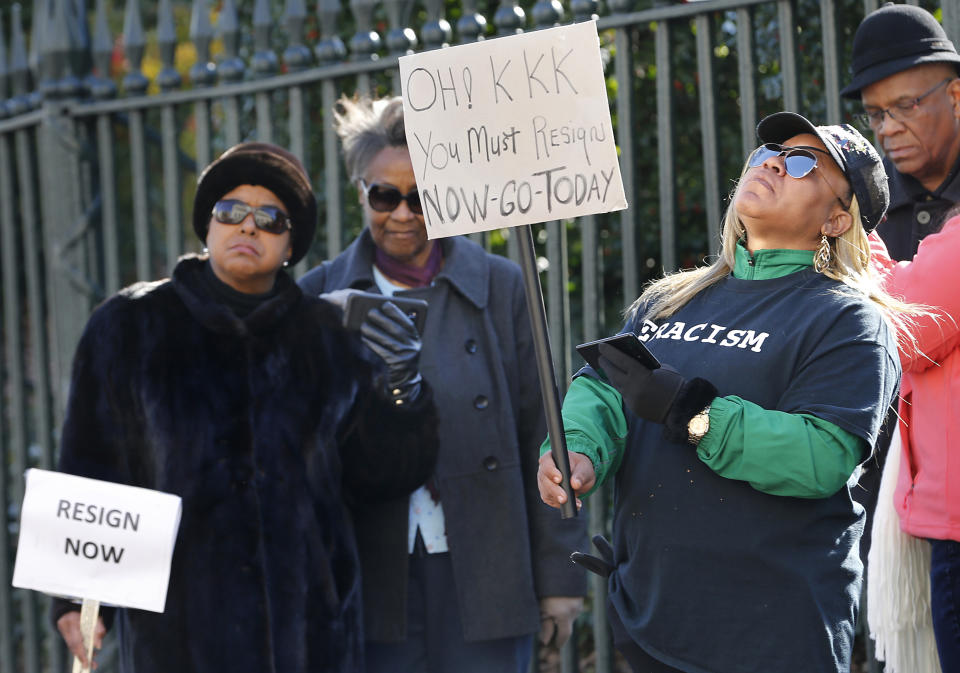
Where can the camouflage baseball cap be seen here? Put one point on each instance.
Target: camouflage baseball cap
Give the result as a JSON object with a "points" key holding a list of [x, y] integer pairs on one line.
{"points": [[851, 151]]}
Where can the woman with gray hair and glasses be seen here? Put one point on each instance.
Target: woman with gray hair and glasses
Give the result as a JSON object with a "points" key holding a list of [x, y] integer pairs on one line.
{"points": [[458, 576]]}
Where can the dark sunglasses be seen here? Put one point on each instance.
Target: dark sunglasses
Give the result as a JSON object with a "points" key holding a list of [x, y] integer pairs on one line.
{"points": [[268, 218], [385, 199], [798, 162]]}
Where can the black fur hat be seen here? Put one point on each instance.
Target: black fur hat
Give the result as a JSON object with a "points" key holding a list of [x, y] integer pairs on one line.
{"points": [[266, 165]]}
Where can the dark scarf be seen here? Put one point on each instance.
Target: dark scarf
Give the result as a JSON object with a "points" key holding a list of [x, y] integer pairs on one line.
{"points": [[241, 303], [408, 275]]}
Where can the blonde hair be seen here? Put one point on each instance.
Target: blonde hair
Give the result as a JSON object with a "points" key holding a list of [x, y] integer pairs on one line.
{"points": [[849, 265]]}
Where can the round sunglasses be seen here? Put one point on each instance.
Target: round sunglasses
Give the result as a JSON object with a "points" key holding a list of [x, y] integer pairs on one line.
{"points": [[385, 198], [798, 162], [268, 218]]}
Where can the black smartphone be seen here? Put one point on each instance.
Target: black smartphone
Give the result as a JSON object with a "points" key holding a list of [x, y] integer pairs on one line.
{"points": [[360, 303], [625, 343]]}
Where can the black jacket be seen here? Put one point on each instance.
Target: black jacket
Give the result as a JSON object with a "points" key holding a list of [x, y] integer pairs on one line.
{"points": [[507, 548], [262, 426], [914, 212]]}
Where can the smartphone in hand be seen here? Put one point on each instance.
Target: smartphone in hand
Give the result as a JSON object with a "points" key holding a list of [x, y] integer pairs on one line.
{"points": [[359, 304], [626, 343]]}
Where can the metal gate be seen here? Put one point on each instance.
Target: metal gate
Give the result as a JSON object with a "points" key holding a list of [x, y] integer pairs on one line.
{"points": [[98, 161]]}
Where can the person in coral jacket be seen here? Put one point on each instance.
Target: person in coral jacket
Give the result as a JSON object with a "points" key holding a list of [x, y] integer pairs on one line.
{"points": [[927, 498]]}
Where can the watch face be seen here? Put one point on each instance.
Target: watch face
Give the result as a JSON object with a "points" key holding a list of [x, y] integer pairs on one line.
{"points": [[699, 425]]}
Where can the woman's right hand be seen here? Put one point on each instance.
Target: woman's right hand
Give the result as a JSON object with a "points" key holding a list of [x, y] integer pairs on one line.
{"points": [[69, 627], [582, 478]]}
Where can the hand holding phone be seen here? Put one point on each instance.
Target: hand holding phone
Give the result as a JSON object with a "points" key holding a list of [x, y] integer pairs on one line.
{"points": [[358, 304]]}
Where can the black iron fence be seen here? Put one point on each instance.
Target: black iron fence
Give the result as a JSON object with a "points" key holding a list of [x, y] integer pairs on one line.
{"points": [[98, 160]]}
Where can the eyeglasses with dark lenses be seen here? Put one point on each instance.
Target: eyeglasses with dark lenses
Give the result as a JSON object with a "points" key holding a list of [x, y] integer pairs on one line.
{"points": [[798, 162], [385, 199], [900, 111], [268, 218]]}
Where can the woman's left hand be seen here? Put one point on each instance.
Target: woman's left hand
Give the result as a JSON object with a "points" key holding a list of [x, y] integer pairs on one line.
{"points": [[389, 333], [582, 478]]}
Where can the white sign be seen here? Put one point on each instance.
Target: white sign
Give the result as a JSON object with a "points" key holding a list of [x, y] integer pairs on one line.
{"points": [[85, 538], [511, 131]]}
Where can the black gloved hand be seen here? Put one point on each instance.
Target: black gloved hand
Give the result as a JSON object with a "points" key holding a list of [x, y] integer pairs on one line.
{"points": [[660, 395], [389, 333], [649, 393]]}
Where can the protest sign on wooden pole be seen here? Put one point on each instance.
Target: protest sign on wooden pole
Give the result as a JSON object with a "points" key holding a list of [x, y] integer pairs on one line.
{"points": [[95, 541], [507, 133]]}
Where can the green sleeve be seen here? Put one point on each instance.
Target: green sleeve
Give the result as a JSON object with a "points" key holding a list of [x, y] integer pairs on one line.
{"points": [[594, 425], [779, 453]]}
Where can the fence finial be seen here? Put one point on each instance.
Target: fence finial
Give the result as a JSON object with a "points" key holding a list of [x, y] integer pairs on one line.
{"points": [[365, 42], [264, 60], [297, 55], [134, 82], [471, 25], [231, 67], [203, 73], [584, 10], [19, 70], [400, 38], [436, 30], [62, 48], [330, 48], [509, 18], [101, 83], [44, 83], [547, 13], [168, 78]]}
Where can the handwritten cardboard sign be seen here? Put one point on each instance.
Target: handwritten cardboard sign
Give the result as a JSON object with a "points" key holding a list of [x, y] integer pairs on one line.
{"points": [[85, 538], [511, 131]]}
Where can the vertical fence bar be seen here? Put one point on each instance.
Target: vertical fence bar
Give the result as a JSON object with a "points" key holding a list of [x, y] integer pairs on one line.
{"points": [[297, 57], [108, 204], [202, 74], [788, 56], [11, 303], [708, 130], [623, 70], [264, 64], [831, 60], [331, 49], [135, 84], [665, 149], [29, 224], [951, 19], [230, 69], [746, 80], [169, 80], [558, 301]]}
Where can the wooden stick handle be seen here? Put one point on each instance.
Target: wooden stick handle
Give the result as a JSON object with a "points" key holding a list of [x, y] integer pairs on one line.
{"points": [[89, 611]]}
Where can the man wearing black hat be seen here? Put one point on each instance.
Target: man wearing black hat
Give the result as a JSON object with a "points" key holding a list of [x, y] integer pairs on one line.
{"points": [[905, 74]]}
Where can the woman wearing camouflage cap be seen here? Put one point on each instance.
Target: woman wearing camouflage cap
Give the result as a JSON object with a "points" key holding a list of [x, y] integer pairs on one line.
{"points": [[734, 534]]}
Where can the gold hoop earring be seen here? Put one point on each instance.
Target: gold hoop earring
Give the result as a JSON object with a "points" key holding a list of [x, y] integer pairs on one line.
{"points": [[821, 259]]}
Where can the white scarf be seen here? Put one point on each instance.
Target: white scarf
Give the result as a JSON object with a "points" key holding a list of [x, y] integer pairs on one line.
{"points": [[898, 585]]}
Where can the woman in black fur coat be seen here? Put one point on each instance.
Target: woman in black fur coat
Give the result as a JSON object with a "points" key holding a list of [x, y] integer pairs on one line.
{"points": [[228, 387]]}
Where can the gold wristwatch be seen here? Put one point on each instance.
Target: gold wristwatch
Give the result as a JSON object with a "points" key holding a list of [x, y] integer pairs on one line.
{"points": [[698, 426]]}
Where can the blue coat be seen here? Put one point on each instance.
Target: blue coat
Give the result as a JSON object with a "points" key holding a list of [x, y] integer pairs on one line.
{"points": [[263, 426], [507, 548]]}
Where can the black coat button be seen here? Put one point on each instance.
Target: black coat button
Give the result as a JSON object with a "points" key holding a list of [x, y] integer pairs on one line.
{"points": [[470, 346], [481, 402], [491, 463]]}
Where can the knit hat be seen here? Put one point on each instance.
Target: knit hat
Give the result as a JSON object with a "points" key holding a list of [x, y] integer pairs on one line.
{"points": [[266, 165], [892, 39], [856, 157]]}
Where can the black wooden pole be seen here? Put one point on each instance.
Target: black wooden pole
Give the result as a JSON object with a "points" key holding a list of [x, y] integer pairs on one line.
{"points": [[548, 381]]}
